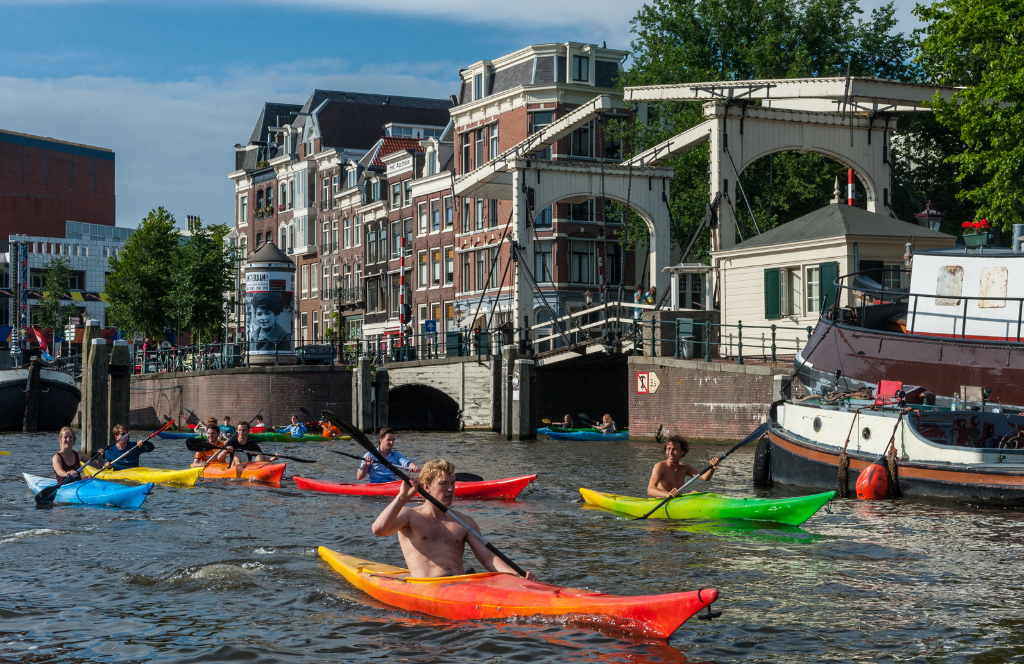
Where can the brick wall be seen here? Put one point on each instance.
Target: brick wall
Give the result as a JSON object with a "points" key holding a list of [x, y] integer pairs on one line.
{"points": [[703, 400], [241, 393]]}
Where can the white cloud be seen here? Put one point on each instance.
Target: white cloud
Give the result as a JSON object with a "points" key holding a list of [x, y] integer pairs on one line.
{"points": [[173, 140]]}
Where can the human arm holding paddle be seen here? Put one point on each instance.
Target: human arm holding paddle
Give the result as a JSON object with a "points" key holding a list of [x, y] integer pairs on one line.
{"points": [[385, 445]]}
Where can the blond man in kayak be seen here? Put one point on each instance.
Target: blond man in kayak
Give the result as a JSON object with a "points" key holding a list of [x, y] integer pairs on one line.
{"points": [[433, 543], [670, 474]]}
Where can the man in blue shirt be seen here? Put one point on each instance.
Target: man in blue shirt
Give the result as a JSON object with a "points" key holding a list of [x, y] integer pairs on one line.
{"points": [[377, 472], [297, 429], [122, 446], [226, 428]]}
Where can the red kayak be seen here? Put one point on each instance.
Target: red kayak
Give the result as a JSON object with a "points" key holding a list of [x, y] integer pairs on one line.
{"points": [[507, 488]]}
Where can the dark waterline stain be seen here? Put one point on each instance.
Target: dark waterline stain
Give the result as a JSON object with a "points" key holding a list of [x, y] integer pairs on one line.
{"points": [[227, 572]]}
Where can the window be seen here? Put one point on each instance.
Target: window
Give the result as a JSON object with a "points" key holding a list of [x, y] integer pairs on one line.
{"points": [[357, 276], [325, 196], [259, 239], [543, 219], [432, 163], [243, 210], [467, 272], [407, 188], [382, 243], [581, 262], [316, 325], [422, 313], [479, 214], [542, 260], [396, 196], [480, 271], [950, 283], [376, 190], [449, 317], [396, 238], [314, 279], [325, 294], [580, 67], [357, 229], [465, 215], [422, 213], [612, 263], [421, 261], [435, 215], [291, 197], [492, 212], [478, 87], [892, 278], [467, 152], [334, 235], [541, 121], [346, 279], [993, 284], [371, 246], [435, 313], [284, 196], [371, 294], [479, 152], [334, 185], [303, 317], [347, 232], [449, 212], [449, 265], [579, 141], [492, 134], [325, 245], [305, 282], [581, 211], [812, 289], [435, 267], [495, 267], [790, 300], [353, 177], [334, 280], [408, 237]]}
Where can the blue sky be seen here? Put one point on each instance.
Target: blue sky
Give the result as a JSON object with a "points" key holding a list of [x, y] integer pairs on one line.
{"points": [[171, 86]]}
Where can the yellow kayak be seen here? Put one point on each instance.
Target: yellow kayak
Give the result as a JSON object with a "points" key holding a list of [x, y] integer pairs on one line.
{"points": [[187, 476]]}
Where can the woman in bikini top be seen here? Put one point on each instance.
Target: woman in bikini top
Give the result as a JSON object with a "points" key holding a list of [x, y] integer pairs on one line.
{"points": [[62, 467]]}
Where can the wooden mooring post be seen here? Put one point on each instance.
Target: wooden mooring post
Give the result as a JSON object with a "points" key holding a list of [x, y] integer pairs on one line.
{"points": [[33, 388], [95, 431], [120, 388]]}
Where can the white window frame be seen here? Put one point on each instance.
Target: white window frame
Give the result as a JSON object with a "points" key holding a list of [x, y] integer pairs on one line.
{"points": [[422, 270]]}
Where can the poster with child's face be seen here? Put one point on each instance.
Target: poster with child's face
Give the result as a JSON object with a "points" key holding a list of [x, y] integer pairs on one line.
{"points": [[269, 307]]}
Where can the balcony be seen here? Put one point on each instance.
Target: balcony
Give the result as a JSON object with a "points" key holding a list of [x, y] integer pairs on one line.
{"points": [[264, 212], [349, 296]]}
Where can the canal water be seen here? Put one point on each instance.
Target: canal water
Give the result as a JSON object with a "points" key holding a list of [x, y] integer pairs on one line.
{"points": [[227, 572]]}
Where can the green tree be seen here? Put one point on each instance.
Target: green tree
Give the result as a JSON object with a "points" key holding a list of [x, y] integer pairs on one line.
{"points": [[140, 277], [202, 273], [687, 41], [53, 310], [980, 44]]}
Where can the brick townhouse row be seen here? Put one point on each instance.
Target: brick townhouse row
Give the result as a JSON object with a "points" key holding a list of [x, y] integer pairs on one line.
{"points": [[340, 181]]}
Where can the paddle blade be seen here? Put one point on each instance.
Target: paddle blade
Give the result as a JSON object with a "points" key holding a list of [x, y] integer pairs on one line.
{"points": [[353, 431], [47, 495], [196, 445], [468, 477]]}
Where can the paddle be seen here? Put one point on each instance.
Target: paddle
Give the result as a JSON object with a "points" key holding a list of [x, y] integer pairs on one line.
{"points": [[47, 495], [4, 453], [459, 477], [758, 432], [159, 431], [358, 436], [203, 446]]}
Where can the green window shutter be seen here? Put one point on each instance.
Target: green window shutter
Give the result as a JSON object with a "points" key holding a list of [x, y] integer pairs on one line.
{"points": [[773, 293], [829, 273]]}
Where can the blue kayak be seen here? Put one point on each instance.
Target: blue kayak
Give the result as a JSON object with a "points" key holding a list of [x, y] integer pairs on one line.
{"points": [[92, 492], [178, 435], [586, 435]]}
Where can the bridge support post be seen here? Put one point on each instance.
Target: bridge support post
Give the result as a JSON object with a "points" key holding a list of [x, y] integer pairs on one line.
{"points": [[362, 407], [524, 381], [497, 383], [508, 367], [382, 388], [95, 426], [120, 391]]}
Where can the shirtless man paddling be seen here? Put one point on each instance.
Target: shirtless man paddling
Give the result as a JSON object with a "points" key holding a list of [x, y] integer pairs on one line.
{"points": [[670, 474], [432, 542]]}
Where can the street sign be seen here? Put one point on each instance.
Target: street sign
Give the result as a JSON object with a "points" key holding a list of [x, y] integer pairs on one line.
{"points": [[642, 382], [653, 383], [430, 326], [75, 320]]}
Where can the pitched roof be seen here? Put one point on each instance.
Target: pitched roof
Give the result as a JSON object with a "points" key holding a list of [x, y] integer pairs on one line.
{"points": [[269, 253], [390, 145], [834, 221], [269, 116]]}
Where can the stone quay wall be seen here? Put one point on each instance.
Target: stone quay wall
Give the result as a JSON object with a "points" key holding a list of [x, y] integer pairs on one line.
{"points": [[241, 393], [700, 400]]}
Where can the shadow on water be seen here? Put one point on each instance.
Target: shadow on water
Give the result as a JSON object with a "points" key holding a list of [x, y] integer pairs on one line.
{"points": [[227, 571]]}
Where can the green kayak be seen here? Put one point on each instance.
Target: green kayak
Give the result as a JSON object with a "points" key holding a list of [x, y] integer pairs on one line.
{"points": [[792, 511]]}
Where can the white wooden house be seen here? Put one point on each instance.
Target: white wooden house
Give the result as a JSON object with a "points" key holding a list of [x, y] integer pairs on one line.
{"points": [[785, 276]]}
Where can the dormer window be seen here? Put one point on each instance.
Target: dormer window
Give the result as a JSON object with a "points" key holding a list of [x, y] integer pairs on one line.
{"points": [[580, 68], [478, 87], [376, 191], [353, 174], [431, 163]]}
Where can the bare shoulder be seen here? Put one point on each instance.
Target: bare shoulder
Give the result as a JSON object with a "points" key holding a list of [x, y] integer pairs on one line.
{"points": [[465, 518]]}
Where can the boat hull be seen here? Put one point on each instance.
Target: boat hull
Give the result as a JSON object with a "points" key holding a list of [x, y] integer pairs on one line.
{"points": [[58, 405], [186, 477], [791, 511], [586, 435], [494, 595], [254, 471], [93, 492], [801, 464], [506, 489]]}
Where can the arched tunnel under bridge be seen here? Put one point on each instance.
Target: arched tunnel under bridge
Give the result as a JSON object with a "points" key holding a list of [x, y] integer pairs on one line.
{"points": [[422, 407]]}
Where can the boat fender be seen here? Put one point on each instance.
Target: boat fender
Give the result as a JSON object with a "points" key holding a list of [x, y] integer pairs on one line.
{"points": [[763, 464], [873, 483]]}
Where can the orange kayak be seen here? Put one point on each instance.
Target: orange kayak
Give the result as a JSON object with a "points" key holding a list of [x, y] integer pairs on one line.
{"points": [[498, 595], [263, 471]]}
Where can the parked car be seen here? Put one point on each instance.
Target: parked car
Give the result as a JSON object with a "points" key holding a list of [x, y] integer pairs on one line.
{"points": [[314, 354]]}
